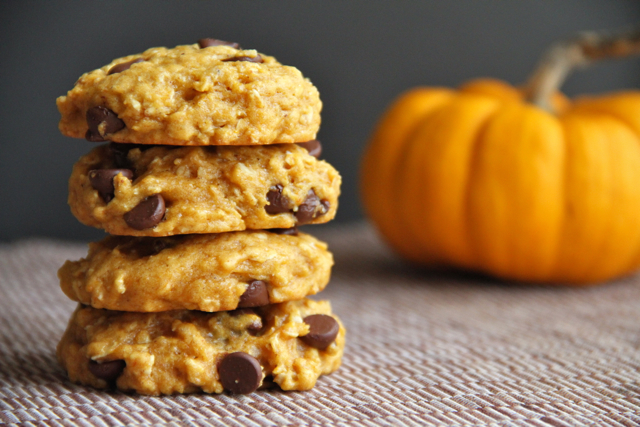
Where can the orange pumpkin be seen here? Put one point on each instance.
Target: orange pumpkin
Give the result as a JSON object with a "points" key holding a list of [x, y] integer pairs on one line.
{"points": [[483, 178]]}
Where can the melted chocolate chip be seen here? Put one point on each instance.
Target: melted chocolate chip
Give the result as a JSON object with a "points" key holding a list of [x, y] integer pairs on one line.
{"points": [[102, 122], [293, 231], [240, 373], [325, 207], [268, 383], [256, 58], [147, 214], [254, 327], [102, 180], [215, 42], [93, 137], [311, 208], [242, 311], [159, 245], [314, 147], [145, 246], [256, 295], [118, 68], [120, 152], [108, 371], [278, 203], [323, 330]]}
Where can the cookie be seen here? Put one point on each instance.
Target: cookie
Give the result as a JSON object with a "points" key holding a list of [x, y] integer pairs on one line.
{"points": [[207, 272], [163, 190], [183, 351], [216, 95]]}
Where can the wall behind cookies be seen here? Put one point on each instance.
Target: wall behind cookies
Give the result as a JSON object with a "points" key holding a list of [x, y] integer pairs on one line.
{"points": [[360, 54]]}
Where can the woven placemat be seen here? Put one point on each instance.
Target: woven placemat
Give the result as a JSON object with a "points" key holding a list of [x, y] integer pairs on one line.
{"points": [[423, 348]]}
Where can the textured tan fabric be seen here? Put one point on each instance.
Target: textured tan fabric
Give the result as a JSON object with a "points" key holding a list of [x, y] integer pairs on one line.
{"points": [[423, 348]]}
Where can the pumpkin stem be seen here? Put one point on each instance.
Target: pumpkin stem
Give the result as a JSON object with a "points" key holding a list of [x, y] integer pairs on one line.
{"points": [[580, 51]]}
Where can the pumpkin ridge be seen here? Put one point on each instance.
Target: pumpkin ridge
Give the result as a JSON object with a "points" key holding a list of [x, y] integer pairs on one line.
{"points": [[447, 146], [635, 260], [383, 160], [404, 176], [474, 248], [545, 270], [574, 267], [591, 208], [614, 269], [559, 264], [514, 198]]}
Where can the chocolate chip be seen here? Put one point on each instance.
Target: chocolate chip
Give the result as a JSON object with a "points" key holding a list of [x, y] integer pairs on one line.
{"points": [[323, 330], [278, 203], [215, 42], [101, 122], [254, 327], [159, 245], [293, 231], [314, 147], [102, 180], [118, 68], [121, 151], [311, 208], [108, 371], [147, 214], [256, 295], [240, 373], [268, 383], [242, 311], [90, 136], [146, 246], [256, 58]]}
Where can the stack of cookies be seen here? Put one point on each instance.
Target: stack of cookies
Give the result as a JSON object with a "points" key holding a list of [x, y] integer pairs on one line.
{"points": [[209, 164]]}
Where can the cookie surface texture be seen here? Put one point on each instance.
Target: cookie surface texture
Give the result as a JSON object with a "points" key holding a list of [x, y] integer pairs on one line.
{"points": [[207, 272], [180, 351], [216, 95], [203, 189]]}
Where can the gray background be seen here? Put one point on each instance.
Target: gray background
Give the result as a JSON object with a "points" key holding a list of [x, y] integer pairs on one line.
{"points": [[360, 54]]}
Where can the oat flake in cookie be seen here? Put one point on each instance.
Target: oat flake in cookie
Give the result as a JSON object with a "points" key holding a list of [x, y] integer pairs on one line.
{"points": [[192, 95], [190, 351]]}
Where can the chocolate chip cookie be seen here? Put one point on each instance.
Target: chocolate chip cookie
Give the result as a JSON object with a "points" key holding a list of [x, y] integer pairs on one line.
{"points": [[290, 344], [201, 94], [210, 166], [206, 272], [162, 190]]}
